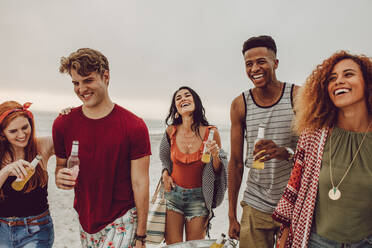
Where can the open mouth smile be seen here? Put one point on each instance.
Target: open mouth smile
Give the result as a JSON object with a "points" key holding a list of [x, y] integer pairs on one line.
{"points": [[341, 91]]}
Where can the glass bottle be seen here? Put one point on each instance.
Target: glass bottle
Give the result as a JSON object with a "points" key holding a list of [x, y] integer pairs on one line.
{"points": [[261, 135], [219, 242], [206, 157], [73, 161], [18, 184]]}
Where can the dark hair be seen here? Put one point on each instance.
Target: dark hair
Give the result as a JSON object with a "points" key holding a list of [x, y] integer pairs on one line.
{"points": [[260, 41], [198, 115]]}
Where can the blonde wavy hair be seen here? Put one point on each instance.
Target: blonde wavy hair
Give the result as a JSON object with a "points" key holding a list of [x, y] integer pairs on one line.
{"points": [[314, 108], [84, 61]]}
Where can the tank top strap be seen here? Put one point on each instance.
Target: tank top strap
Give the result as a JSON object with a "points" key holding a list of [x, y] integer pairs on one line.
{"points": [[173, 134]]}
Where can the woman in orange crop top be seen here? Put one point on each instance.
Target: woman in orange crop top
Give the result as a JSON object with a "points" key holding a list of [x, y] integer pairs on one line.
{"points": [[188, 131]]}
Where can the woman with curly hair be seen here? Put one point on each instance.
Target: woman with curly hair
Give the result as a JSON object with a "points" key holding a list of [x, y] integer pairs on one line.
{"points": [[24, 213], [192, 188], [327, 202]]}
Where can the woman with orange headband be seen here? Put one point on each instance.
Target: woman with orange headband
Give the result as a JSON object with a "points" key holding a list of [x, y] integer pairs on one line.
{"points": [[24, 213]]}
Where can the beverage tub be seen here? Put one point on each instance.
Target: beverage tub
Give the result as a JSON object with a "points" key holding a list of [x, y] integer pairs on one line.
{"points": [[202, 243]]}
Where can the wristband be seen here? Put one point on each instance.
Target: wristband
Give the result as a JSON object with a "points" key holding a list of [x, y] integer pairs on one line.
{"points": [[141, 238]]}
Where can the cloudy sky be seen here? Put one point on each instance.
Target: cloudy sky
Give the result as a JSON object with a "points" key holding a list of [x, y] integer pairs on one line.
{"points": [[156, 46]]}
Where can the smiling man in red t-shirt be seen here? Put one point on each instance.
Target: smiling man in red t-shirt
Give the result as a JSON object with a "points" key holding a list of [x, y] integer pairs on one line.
{"points": [[112, 189]]}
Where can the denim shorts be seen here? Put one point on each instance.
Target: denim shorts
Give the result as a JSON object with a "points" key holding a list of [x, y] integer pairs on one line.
{"points": [[27, 236], [189, 202], [317, 241]]}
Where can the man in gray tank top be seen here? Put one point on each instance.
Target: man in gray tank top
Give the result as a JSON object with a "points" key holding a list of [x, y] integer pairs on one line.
{"points": [[270, 105]]}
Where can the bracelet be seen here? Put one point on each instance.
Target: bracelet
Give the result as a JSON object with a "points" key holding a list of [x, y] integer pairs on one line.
{"points": [[141, 238]]}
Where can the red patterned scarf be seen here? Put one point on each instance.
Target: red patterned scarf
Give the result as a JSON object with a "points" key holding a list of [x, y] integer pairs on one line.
{"points": [[296, 207]]}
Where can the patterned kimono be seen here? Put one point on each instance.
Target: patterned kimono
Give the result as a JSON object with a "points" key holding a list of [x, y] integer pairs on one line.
{"points": [[296, 207]]}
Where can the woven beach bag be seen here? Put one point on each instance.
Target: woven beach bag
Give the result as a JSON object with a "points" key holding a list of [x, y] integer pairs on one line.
{"points": [[156, 218]]}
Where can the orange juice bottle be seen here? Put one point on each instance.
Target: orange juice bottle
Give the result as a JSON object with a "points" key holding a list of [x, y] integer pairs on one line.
{"points": [[18, 184], [206, 157], [261, 135]]}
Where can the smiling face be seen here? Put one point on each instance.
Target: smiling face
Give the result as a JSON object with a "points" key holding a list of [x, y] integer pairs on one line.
{"points": [[260, 65], [18, 132], [346, 85], [92, 89], [184, 102]]}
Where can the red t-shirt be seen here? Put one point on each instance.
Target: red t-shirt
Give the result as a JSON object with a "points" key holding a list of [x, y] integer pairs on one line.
{"points": [[103, 191]]}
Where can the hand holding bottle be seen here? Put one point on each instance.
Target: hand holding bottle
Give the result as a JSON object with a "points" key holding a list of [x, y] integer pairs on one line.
{"points": [[64, 179], [266, 150], [206, 157], [212, 147], [18, 168], [19, 183]]}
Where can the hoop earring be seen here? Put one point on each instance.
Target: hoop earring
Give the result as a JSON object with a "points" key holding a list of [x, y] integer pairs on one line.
{"points": [[176, 115]]}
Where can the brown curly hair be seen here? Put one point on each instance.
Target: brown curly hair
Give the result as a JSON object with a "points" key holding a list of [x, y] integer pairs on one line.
{"points": [[40, 177], [314, 108], [84, 61]]}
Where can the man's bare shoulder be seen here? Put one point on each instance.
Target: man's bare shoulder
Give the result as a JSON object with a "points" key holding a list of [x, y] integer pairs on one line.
{"points": [[238, 106]]}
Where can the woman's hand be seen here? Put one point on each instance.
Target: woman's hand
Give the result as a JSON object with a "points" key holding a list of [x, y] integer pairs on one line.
{"points": [[66, 111], [18, 168], [212, 147], [283, 238], [168, 181]]}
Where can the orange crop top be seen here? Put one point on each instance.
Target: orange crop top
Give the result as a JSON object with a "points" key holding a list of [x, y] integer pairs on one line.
{"points": [[187, 168]]}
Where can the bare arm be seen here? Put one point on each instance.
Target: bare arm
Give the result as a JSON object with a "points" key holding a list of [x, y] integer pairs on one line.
{"points": [[45, 149], [140, 186], [236, 166]]}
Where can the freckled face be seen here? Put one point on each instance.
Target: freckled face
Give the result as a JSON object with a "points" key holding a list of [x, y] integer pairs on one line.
{"points": [[18, 132], [346, 84]]}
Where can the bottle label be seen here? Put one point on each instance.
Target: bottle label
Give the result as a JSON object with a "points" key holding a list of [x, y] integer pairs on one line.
{"points": [[258, 164]]}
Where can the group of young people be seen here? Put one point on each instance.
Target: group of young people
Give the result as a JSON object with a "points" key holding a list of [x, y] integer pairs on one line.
{"points": [[299, 199]]}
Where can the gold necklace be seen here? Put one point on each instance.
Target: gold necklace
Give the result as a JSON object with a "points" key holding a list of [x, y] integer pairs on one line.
{"points": [[188, 140], [334, 193]]}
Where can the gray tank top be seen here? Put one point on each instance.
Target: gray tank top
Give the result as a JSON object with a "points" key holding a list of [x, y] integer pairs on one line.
{"points": [[265, 187]]}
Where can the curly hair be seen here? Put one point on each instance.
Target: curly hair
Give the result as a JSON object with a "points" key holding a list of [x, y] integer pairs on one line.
{"points": [[84, 61], [6, 152], [314, 108], [173, 118]]}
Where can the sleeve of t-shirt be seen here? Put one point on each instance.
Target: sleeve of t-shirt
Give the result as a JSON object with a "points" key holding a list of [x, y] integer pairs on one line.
{"points": [[139, 140], [58, 138]]}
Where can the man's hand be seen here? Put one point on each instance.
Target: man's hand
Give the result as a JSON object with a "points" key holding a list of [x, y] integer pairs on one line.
{"points": [[234, 229], [269, 150], [64, 179]]}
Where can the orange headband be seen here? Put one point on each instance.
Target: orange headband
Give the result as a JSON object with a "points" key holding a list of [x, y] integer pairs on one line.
{"points": [[10, 111]]}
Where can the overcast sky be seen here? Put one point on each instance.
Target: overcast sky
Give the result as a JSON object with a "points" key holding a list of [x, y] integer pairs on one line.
{"points": [[155, 46]]}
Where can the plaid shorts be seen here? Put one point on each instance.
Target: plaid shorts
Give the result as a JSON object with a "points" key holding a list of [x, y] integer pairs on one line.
{"points": [[118, 234]]}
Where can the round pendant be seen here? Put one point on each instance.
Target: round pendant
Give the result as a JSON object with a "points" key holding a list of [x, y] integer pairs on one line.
{"points": [[334, 194]]}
